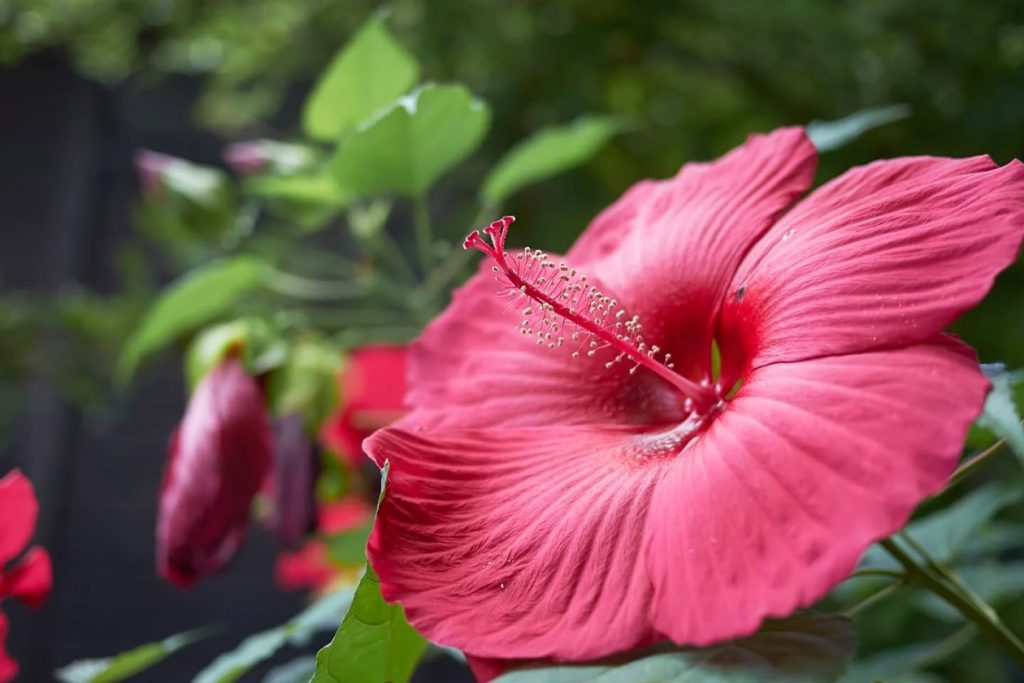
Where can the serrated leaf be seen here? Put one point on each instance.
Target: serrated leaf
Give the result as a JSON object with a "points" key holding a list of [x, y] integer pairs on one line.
{"points": [[408, 146], [320, 616], [1001, 415], [830, 135], [195, 298], [374, 644], [129, 663], [809, 647], [369, 73], [546, 153], [945, 532]]}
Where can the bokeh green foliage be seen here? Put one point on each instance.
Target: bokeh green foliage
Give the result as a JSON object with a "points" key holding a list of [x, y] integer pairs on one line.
{"points": [[696, 76]]}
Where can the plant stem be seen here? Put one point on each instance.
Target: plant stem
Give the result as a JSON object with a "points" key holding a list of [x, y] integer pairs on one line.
{"points": [[424, 233], [974, 462], [438, 279], [872, 599], [950, 589], [877, 572], [299, 287]]}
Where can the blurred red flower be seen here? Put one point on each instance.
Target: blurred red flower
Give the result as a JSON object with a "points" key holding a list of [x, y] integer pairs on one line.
{"points": [[591, 484], [30, 578], [310, 567], [218, 459], [372, 394]]}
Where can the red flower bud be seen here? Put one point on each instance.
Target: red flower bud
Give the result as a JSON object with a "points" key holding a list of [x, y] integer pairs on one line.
{"points": [[218, 458]]}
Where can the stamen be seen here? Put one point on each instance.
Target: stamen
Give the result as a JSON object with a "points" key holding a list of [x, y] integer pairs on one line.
{"points": [[568, 300]]}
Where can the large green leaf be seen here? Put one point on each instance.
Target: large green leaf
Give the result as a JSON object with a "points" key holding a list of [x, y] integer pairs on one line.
{"points": [[127, 664], [199, 296], [546, 153], [806, 648], [408, 146], [349, 547], [320, 616], [945, 532], [829, 135], [1001, 415], [374, 644], [369, 73]]}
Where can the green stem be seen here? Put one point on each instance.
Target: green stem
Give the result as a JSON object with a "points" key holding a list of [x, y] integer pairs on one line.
{"points": [[974, 462], [875, 597], [950, 589], [877, 572], [439, 278], [424, 233]]}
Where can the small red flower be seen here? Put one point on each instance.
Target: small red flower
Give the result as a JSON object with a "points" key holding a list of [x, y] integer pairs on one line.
{"points": [[218, 458], [372, 391], [589, 484], [30, 578]]}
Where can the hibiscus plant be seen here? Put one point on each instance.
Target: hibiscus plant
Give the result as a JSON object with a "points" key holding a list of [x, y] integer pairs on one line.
{"points": [[691, 448]]}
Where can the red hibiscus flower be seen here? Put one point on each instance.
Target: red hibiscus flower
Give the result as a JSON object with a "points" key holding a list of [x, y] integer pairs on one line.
{"points": [[31, 577], [219, 456], [588, 484], [372, 389]]}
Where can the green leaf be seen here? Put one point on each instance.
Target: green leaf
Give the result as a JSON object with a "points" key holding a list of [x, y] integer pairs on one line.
{"points": [[408, 146], [806, 648], [320, 616], [901, 664], [127, 664], [374, 644], [349, 547], [368, 74], [299, 670], [303, 188], [945, 532], [548, 152], [197, 297], [1000, 414], [830, 135]]}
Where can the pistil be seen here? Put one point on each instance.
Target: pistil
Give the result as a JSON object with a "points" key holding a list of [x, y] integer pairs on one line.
{"points": [[573, 310]]}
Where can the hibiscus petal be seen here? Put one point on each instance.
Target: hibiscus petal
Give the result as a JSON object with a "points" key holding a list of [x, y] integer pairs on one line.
{"points": [[31, 579], [18, 510], [807, 466], [885, 256], [516, 543], [471, 368], [669, 249], [8, 667]]}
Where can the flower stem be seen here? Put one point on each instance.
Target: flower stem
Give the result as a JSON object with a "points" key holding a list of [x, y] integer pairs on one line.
{"points": [[943, 583], [875, 597]]}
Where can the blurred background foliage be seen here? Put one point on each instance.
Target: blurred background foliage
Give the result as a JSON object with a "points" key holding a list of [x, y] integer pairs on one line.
{"points": [[690, 79], [694, 78]]}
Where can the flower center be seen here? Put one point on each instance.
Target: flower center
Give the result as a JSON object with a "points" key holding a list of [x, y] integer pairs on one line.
{"points": [[561, 306]]}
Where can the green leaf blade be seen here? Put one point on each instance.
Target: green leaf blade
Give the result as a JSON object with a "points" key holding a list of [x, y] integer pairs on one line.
{"points": [[809, 647], [546, 153], [406, 148], [1001, 414], [830, 135], [368, 74], [128, 663], [374, 643], [197, 297]]}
